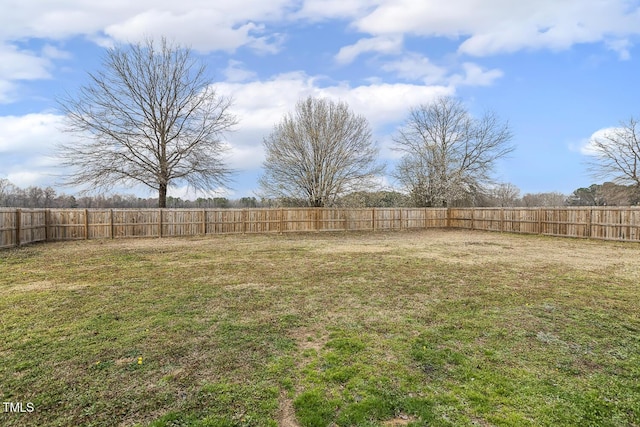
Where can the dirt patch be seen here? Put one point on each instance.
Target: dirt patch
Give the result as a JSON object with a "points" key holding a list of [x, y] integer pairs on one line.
{"points": [[286, 414], [400, 420], [309, 338]]}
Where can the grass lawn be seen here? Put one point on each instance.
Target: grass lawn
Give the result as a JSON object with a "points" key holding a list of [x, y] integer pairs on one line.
{"points": [[433, 328]]}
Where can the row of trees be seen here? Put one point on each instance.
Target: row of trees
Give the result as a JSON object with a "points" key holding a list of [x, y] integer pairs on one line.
{"points": [[607, 194], [505, 195], [38, 197], [152, 116]]}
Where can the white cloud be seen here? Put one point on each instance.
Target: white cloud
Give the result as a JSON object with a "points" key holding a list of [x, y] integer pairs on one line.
{"points": [[247, 156], [475, 75], [7, 91], [385, 103], [414, 66], [26, 146], [31, 134], [24, 178], [621, 47], [52, 52], [482, 28], [204, 25], [204, 30], [485, 28], [22, 65], [383, 44], [317, 10], [498, 26], [261, 104], [587, 148], [235, 72]]}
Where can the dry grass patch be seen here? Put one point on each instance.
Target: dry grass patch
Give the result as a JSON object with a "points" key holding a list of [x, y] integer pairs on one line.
{"points": [[438, 328]]}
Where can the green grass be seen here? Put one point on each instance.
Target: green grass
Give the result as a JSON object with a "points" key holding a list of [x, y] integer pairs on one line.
{"points": [[437, 328]]}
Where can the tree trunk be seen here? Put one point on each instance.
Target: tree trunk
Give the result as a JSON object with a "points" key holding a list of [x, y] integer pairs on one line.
{"points": [[162, 196]]}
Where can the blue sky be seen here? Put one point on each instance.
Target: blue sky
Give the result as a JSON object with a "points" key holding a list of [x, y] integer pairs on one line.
{"points": [[559, 71]]}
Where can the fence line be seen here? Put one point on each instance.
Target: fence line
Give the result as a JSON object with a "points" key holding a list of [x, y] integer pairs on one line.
{"points": [[22, 226]]}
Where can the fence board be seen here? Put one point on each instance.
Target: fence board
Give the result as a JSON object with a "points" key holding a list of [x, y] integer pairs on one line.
{"points": [[32, 226], [7, 228], [22, 226], [622, 224], [136, 223]]}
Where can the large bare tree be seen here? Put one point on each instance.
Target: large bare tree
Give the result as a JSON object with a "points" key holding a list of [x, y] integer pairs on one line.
{"points": [[319, 152], [617, 154], [150, 116], [448, 154]]}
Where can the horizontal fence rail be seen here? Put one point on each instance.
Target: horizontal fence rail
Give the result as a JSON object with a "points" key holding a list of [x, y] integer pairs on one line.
{"points": [[22, 226]]}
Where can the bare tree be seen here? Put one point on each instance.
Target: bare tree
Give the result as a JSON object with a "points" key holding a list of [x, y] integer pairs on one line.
{"points": [[617, 154], [449, 155], [318, 153], [548, 199], [49, 196], [505, 194], [34, 196], [7, 190], [150, 116]]}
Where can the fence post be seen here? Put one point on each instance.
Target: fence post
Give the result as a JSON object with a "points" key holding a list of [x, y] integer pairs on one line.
{"points": [[18, 221], [111, 231], [86, 224], [204, 222], [473, 214], [587, 231], [400, 218], [373, 219], [628, 221], [244, 221], [502, 219], [540, 221], [281, 220], [346, 219], [47, 216], [160, 223]]}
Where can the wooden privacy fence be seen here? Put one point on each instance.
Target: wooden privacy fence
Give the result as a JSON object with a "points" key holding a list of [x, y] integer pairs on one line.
{"points": [[21, 226]]}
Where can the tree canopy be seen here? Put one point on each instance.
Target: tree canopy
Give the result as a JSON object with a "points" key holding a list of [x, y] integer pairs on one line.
{"points": [[616, 154], [149, 116], [318, 153], [447, 154]]}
